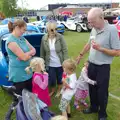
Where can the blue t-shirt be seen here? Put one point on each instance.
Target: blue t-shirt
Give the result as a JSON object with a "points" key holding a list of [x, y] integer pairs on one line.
{"points": [[17, 67]]}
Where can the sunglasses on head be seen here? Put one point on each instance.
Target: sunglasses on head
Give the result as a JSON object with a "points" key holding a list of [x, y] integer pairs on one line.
{"points": [[52, 30]]}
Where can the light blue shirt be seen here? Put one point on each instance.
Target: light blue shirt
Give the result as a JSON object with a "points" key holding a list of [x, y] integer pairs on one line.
{"points": [[17, 67], [107, 38]]}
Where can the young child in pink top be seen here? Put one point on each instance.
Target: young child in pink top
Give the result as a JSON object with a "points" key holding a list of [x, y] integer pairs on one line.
{"points": [[40, 79]]}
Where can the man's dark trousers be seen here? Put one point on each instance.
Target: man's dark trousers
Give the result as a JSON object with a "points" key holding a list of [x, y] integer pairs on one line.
{"points": [[99, 92]]}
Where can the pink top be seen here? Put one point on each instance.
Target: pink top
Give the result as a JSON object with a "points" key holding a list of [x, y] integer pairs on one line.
{"points": [[40, 87]]}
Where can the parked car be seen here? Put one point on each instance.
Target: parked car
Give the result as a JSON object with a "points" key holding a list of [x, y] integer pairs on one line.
{"points": [[60, 28], [77, 23], [31, 29], [33, 38], [42, 26]]}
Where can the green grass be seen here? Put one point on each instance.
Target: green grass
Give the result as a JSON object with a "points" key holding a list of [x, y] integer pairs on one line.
{"points": [[32, 19], [75, 42]]}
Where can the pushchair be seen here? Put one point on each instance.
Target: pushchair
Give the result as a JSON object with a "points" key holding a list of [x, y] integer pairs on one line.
{"points": [[28, 107]]}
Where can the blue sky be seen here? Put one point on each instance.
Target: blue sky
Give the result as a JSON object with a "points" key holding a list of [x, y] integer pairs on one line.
{"points": [[37, 4]]}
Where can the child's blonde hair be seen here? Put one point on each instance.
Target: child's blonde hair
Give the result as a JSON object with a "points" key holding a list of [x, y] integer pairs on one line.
{"points": [[59, 117], [33, 63], [70, 64]]}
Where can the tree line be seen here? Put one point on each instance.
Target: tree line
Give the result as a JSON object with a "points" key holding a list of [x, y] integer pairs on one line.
{"points": [[10, 8]]}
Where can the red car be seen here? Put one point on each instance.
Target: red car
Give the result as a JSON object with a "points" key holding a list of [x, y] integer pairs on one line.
{"points": [[118, 27]]}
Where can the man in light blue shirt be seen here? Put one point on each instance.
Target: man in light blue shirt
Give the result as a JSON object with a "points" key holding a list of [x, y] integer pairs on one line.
{"points": [[103, 45]]}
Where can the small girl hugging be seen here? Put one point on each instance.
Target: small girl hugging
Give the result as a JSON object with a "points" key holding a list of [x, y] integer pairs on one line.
{"points": [[40, 79], [82, 87]]}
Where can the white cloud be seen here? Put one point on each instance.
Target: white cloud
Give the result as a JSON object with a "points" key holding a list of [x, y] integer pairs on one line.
{"points": [[37, 4]]}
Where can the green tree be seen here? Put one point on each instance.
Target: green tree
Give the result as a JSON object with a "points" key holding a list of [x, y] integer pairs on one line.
{"points": [[23, 8], [0, 5], [22, 11], [8, 7]]}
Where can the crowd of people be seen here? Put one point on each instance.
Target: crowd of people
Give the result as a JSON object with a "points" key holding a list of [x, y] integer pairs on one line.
{"points": [[41, 74], [53, 17]]}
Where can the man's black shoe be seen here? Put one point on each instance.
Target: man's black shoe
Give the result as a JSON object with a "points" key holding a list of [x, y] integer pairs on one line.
{"points": [[104, 118], [89, 111]]}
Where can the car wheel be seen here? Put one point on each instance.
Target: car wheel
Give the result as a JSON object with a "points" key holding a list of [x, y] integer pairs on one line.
{"points": [[89, 27], [78, 28]]}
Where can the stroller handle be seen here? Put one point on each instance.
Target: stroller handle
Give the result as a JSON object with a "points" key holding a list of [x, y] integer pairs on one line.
{"points": [[11, 90], [16, 95]]}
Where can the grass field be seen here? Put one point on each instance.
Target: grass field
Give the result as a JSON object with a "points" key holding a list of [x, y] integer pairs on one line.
{"points": [[75, 42]]}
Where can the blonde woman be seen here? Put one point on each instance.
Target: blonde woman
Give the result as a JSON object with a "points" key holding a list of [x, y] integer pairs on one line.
{"points": [[54, 52], [40, 79]]}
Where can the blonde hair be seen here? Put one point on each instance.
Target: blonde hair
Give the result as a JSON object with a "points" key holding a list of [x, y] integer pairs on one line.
{"points": [[51, 25], [59, 117], [33, 63], [70, 65]]}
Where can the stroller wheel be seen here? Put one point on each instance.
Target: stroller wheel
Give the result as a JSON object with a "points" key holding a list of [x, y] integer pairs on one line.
{"points": [[10, 110]]}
